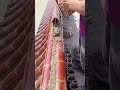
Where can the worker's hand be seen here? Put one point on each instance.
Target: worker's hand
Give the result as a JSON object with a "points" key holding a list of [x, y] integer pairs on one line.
{"points": [[73, 5], [67, 4]]}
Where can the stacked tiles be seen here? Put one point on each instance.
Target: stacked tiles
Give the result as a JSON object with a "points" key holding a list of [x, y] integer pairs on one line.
{"points": [[41, 43], [71, 79], [60, 66], [50, 68], [15, 33], [53, 75]]}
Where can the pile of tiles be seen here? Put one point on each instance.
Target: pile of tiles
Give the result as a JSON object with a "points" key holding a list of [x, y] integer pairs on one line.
{"points": [[49, 52], [16, 34], [41, 40]]}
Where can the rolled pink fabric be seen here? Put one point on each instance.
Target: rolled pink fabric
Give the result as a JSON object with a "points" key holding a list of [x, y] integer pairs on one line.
{"points": [[82, 26], [82, 41]]}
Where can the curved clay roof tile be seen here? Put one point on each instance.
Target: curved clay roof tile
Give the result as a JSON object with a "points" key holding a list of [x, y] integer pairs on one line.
{"points": [[15, 38]]}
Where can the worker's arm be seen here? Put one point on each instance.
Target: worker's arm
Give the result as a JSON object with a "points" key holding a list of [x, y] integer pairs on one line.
{"points": [[73, 5]]}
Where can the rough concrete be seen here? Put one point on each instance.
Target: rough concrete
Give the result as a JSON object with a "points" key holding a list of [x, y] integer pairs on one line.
{"points": [[80, 77], [74, 40], [73, 43]]}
